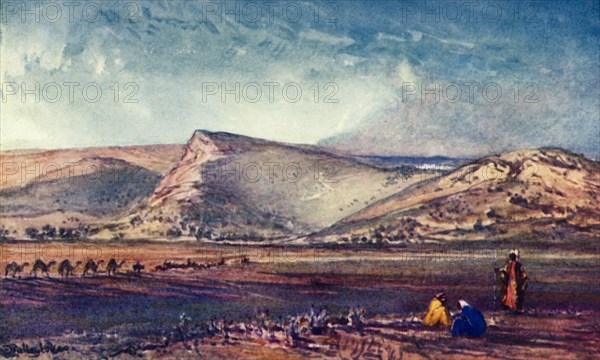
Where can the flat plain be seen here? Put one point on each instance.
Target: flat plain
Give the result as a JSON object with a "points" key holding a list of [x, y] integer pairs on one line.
{"points": [[131, 314]]}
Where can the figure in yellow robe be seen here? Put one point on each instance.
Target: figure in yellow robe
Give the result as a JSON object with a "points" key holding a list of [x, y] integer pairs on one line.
{"points": [[438, 313]]}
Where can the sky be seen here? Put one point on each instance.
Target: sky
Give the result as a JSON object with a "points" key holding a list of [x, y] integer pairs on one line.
{"points": [[463, 78]]}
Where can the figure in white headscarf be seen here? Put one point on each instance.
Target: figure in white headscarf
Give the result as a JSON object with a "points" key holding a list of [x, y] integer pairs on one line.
{"points": [[469, 322]]}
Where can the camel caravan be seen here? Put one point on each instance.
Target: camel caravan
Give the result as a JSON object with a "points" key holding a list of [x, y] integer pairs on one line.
{"points": [[91, 268], [65, 268]]}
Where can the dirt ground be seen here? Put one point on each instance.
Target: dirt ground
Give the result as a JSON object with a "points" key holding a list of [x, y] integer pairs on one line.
{"points": [[512, 337], [99, 315]]}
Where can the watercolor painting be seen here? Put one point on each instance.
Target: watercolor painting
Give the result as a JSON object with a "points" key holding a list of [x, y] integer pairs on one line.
{"points": [[224, 179]]}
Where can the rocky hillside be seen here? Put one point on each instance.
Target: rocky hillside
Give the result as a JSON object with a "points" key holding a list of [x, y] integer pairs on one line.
{"points": [[229, 186], [221, 186], [545, 191]]}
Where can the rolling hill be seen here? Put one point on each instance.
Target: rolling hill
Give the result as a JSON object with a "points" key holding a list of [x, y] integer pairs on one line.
{"points": [[544, 191], [229, 186], [19, 167], [76, 187], [222, 186]]}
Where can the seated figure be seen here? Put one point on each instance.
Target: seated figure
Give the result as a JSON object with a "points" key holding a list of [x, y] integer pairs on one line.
{"points": [[469, 322], [438, 313]]}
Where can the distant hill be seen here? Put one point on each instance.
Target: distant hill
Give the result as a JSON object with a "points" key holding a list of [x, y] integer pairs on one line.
{"points": [[19, 166], [229, 186], [422, 162], [73, 187], [105, 190], [522, 192]]}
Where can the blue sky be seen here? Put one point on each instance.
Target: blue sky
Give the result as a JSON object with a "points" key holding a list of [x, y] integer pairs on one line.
{"points": [[176, 65]]}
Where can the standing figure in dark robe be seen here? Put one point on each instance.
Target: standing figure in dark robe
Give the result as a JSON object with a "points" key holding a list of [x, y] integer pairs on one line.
{"points": [[514, 283]]}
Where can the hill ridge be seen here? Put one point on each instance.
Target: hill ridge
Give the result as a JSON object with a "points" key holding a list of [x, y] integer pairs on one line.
{"points": [[484, 197]]}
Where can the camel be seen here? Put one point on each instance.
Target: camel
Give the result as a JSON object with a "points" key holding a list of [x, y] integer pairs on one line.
{"points": [[137, 267], [112, 266], [160, 268], [65, 268], [92, 266], [14, 268], [42, 266]]}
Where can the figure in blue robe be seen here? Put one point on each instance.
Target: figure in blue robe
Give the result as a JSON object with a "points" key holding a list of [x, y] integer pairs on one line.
{"points": [[469, 322]]}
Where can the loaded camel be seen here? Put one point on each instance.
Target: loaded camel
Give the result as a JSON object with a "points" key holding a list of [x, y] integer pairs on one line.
{"points": [[14, 268], [92, 266], [113, 267], [137, 267], [167, 265], [42, 266], [65, 268]]}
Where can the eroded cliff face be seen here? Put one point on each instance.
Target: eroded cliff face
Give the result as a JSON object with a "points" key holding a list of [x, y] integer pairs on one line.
{"points": [[229, 186], [181, 181]]}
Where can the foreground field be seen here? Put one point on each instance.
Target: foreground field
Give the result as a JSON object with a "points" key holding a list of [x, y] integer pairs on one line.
{"points": [[131, 314], [532, 336]]}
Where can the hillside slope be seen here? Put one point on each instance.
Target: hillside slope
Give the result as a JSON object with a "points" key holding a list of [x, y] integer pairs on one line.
{"points": [[20, 167], [228, 186], [517, 193], [110, 188], [72, 188], [106, 190]]}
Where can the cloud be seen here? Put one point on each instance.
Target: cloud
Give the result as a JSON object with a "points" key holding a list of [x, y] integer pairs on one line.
{"points": [[326, 38], [368, 53]]}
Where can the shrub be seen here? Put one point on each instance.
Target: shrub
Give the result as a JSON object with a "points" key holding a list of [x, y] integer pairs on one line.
{"points": [[174, 232], [32, 232]]}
